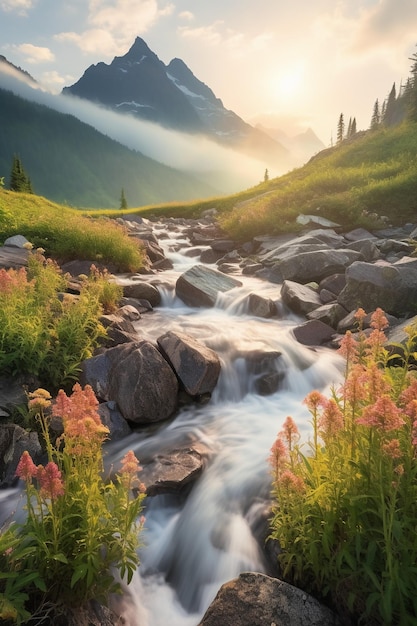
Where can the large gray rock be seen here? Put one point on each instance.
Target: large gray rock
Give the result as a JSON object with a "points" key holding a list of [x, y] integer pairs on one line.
{"points": [[391, 287], [257, 600], [260, 306], [330, 314], [11, 256], [172, 471], [299, 298], [314, 333], [14, 440], [200, 285], [196, 365], [137, 377], [316, 265], [142, 290]]}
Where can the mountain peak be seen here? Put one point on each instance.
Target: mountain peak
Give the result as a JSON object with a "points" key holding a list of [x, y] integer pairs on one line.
{"points": [[138, 49]]}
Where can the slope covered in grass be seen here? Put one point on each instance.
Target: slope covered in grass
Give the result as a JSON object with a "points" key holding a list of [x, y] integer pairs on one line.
{"points": [[371, 175], [64, 233]]}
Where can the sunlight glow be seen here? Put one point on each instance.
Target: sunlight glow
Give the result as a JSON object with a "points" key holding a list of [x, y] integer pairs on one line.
{"points": [[287, 83]]}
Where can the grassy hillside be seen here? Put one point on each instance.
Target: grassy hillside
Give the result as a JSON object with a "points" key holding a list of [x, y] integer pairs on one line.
{"points": [[70, 162], [372, 175], [64, 233]]}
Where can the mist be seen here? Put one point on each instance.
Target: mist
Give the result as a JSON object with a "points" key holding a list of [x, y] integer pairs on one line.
{"points": [[226, 169]]}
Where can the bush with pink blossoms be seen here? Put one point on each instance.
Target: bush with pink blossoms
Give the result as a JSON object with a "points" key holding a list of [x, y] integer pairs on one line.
{"points": [[345, 511], [79, 528]]}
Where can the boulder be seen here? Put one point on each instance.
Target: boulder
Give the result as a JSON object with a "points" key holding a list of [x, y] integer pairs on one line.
{"points": [[14, 440], [260, 306], [258, 600], [331, 314], [196, 366], [137, 378], [142, 290], [17, 241], [141, 383], [200, 285], [314, 333], [11, 257], [306, 220], [114, 420], [391, 287], [172, 471], [299, 298], [316, 265]]}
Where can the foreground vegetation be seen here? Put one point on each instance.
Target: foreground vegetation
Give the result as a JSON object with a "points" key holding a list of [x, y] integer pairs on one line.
{"points": [[44, 332], [346, 504], [79, 528], [65, 234]]}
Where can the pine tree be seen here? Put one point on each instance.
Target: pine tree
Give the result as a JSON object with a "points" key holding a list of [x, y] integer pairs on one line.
{"points": [[340, 129], [19, 180], [412, 95], [353, 130], [376, 118], [349, 130], [266, 176], [389, 114], [123, 201]]}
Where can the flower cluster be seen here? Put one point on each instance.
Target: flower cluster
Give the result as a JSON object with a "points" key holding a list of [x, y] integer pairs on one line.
{"points": [[355, 522], [79, 527]]}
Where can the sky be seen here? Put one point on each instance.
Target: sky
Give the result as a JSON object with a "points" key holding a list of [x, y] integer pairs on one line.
{"points": [[288, 64]]}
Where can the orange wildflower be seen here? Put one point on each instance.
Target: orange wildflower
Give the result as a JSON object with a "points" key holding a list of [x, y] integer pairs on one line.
{"points": [[383, 415], [26, 469], [51, 485]]}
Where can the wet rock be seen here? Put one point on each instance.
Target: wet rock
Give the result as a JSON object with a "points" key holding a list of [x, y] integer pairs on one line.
{"points": [[200, 285], [314, 333], [391, 287], [333, 283], [14, 440], [91, 614], [260, 306], [137, 377], [299, 298], [119, 328], [317, 265], [196, 366], [172, 471], [114, 420], [329, 314], [142, 290], [223, 245], [210, 256], [258, 600]]}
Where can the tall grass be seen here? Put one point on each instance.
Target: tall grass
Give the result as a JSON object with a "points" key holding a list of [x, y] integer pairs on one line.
{"points": [[65, 234]]}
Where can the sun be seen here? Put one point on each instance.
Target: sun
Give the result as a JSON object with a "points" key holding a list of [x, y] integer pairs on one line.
{"points": [[287, 83]]}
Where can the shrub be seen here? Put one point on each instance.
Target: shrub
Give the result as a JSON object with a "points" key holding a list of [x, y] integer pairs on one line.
{"points": [[345, 510], [45, 332], [79, 528]]}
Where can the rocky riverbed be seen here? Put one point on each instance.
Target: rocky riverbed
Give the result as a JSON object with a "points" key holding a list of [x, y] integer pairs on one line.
{"points": [[214, 342]]}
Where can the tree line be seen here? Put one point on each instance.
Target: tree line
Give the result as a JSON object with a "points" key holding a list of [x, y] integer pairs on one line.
{"points": [[394, 109]]}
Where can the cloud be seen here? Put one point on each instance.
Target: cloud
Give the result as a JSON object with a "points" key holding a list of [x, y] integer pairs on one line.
{"points": [[113, 24], [389, 22], [20, 6], [187, 16], [217, 33], [34, 54]]}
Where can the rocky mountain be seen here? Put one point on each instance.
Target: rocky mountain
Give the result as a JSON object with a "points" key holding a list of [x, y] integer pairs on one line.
{"points": [[140, 84], [302, 146]]}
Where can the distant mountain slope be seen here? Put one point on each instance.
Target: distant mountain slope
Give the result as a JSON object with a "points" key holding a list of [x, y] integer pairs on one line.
{"points": [[140, 84], [70, 162]]}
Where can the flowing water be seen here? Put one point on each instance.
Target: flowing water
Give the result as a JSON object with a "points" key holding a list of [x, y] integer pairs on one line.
{"points": [[194, 545]]}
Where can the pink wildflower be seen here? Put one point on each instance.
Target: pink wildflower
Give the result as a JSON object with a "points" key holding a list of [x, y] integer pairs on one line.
{"points": [[349, 347], [79, 413], [360, 316], [331, 420], [374, 382], [278, 458], [51, 485], [129, 472], [379, 320], [290, 432], [383, 415], [291, 482], [313, 400], [392, 449], [354, 391], [26, 469]]}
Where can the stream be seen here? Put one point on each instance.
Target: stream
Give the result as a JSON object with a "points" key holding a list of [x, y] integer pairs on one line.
{"points": [[193, 545]]}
